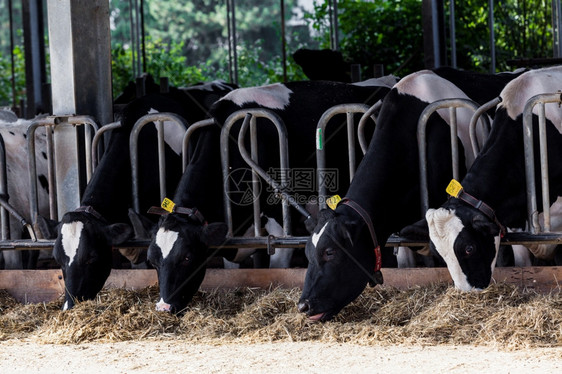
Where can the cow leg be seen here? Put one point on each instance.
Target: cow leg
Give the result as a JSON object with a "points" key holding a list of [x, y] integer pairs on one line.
{"points": [[505, 256], [521, 256], [405, 257]]}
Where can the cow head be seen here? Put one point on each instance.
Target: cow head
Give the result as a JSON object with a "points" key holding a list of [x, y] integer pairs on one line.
{"points": [[467, 240], [179, 252], [340, 264], [83, 249]]}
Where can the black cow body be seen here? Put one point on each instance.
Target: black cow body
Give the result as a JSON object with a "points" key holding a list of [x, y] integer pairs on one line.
{"points": [[468, 238], [85, 237], [386, 186], [180, 249]]}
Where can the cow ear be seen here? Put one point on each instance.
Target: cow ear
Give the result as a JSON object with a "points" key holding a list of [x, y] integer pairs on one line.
{"points": [[416, 231], [214, 233], [119, 233], [142, 226], [47, 227], [483, 224]]}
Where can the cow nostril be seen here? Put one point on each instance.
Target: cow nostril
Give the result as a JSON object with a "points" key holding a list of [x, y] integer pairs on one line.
{"points": [[303, 306]]}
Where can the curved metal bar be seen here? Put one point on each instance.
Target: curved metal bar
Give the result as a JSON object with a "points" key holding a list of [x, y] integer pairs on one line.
{"points": [[422, 149], [284, 160], [185, 143], [91, 125], [4, 191], [363, 143], [133, 149], [347, 109], [485, 124], [97, 138], [532, 210]]}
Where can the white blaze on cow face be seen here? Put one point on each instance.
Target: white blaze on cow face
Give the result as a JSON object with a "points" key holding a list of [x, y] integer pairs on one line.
{"points": [[71, 233], [444, 228], [165, 240], [316, 236], [273, 96]]}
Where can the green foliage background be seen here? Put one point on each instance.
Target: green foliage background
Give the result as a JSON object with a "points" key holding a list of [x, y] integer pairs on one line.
{"points": [[187, 40]]}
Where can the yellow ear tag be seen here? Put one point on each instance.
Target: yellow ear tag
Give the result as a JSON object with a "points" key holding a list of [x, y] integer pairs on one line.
{"points": [[454, 188], [168, 205], [333, 201]]}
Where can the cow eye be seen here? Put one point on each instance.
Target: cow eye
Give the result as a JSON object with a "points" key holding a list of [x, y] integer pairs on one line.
{"points": [[186, 260], [469, 250], [329, 254]]}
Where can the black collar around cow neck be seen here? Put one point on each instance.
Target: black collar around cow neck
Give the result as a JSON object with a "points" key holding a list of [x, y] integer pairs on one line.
{"points": [[192, 213], [90, 210], [367, 219], [482, 207]]}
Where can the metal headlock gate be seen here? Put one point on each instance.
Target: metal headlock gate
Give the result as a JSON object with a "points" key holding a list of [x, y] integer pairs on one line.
{"points": [[249, 117]]}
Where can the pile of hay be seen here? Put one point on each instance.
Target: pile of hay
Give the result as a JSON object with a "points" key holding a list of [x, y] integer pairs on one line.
{"points": [[501, 315]]}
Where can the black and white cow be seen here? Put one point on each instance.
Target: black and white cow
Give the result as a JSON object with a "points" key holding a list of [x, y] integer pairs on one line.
{"points": [[468, 238], [14, 135], [385, 191], [85, 237], [181, 246]]}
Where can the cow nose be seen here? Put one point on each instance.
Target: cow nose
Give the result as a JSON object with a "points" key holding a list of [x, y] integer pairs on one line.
{"points": [[162, 306], [303, 306]]}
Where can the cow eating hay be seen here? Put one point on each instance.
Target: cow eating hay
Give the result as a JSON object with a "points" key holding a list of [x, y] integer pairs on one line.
{"points": [[501, 315]]}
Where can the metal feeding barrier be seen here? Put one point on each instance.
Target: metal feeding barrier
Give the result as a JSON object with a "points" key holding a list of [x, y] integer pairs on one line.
{"points": [[159, 120], [349, 110], [533, 215]]}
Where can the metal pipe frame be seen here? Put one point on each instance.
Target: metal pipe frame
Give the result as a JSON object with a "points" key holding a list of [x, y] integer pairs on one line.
{"points": [[349, 110], [185, 143], [478, 114], [97, 138], [452, 104], [158, 119], [49, 123], [4, 191], [532, 210], [363, 143]]}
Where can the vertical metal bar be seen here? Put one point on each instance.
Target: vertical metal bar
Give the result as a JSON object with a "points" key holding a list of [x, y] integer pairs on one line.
{"points": [[363, 121], [530, 167], [454, 141], [480, 113], [492, 36], [422, 149], [452, 33], [133, 38], [11, 24], [32, 164], [255, 178], [143, 44], [4, 216], [161, 158], [185, 143], [335, 26], [556, 28], [351, 144], [51, 170], [283, 41], [544, 167], [232, 53]]}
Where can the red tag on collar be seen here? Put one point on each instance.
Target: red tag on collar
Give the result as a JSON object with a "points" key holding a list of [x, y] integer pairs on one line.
{"points": [[378, 258]]}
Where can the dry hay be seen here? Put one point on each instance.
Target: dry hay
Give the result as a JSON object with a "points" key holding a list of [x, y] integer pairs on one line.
{"points": [[502, 316]]}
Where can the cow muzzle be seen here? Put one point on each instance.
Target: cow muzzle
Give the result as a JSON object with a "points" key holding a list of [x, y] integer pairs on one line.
{"points": [[162, 306]]}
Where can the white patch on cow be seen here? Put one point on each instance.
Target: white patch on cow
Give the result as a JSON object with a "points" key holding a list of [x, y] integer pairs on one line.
{"points": [[386, 81], [316, 236], [273, 96], [430, 87], [65, 306], [444, 228], [71, 233], [162, 306], [165, 239], [173, 134], [517, 92]]}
